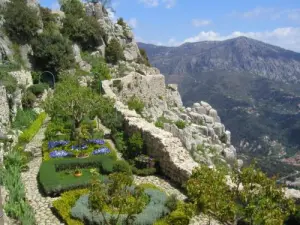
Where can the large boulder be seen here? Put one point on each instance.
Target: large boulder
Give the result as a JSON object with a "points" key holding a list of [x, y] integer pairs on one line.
{"points": [[131, 52], [23, 77], [173, 96]]}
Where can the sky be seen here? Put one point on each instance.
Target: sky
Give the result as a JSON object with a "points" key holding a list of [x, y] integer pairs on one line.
{"points": [[174, 22]]}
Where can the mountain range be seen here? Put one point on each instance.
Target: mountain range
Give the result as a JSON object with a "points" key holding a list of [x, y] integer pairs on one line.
{"points": [[253, 85]]}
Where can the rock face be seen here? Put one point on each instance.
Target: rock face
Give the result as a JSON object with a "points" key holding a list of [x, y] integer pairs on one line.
{"points": [[23, 77], [172, 146], [82, 64], [4, 110], [5, 51]]}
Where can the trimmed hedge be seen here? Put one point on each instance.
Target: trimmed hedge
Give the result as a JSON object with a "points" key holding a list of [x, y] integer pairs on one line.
{"points": [[54, 180], [33, 129]]}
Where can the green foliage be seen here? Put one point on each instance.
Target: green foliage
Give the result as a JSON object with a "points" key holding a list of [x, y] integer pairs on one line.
{"points": [[21, 22], [180, 124], [161, 120], [181, 215], [49, 19], [73, 102], [29, 133], [135, 145], [144, 58], [172, 202], [65, 203], [8, 81], [118, 84], [134, 103], [260, 201], [57, 175], [73, 8], [159, 124], [121, 166], [144, 172], [223, 138], [16, 206], [121, 22], [23, 119], [38, 89], [52, 52], [28, 99], [114, 52]]}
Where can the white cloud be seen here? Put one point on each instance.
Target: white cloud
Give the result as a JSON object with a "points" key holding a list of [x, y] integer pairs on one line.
{"points": [[154, 3], [286, 37], [201, 23], [133, 22], [269, 13]]}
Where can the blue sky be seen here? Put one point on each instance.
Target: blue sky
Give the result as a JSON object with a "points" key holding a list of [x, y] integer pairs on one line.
{"points": [[173, 22]]}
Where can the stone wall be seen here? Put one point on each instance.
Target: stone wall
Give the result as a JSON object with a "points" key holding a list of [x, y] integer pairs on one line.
{"points": [[4, 110], [174, 159]]}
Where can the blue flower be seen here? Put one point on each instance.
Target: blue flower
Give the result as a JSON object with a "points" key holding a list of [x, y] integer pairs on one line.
{"points": [[59, 154], [101, 151], [79, 147], [53, 144], [97, 141]]}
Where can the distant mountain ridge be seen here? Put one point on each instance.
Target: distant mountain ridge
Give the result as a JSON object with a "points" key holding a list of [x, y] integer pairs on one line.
{"points": [[240, 54], [253, 85]]}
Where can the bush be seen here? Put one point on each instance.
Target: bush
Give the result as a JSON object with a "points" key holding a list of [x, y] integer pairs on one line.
{"points": [[38, 89], [144, 172], [144, 58], [121, 22], [135, 145], [48, 18], [153, 211], [52, 52], [54, 179], [21, 22], [73, 8], [28, 134], [180, 124], [9, 82], [23, 119], [65, 203], [28, 99], [136, 104], [114, 52], [159, 124], [122, 166]]}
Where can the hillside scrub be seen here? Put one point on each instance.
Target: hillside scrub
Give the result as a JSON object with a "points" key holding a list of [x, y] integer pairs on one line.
{"points": [[114, 51]]}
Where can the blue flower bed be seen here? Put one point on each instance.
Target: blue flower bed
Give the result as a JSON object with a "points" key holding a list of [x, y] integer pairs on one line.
{"points": [[101, 151], [54, 144], [79, 147], [97, 141], [59, 154]]}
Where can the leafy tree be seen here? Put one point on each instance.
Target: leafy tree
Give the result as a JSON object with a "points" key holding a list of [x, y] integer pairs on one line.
{"points": [[114, 51], [254, 198], [136, 144], [72, 101], [116, 193], [72, 8], [21, 22], [52, 52], [48, 19]]}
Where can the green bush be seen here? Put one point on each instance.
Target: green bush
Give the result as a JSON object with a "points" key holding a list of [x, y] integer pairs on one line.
{"points": [[28, 99], [23, 119], [144, 58], [136, 104], [122, 166], [21, 22], [65, 203], [144, 172], [38, 89], [73, 8], [121, 22], [52, 52], [48, 18], [29, 133], [8, 81], [153, 211], [180, 124], [114, 51], [54, 177], [135, 145], [159, 124], [16, 206]]}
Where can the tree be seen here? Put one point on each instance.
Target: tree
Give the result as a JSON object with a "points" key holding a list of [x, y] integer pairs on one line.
{"points": [[253, 198], [73, 8], [116, 193], [51, 51], [114, 51], [72, 101], [21, 22]]}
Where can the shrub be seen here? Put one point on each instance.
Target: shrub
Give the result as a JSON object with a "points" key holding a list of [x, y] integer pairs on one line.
{"points": [[223, 138], [122, 166], [28, 99], [144, 172], [73, 8], [23, 119], [9, 82], [153, 211], [180, 124], [144, 58], [114, 51], [135, 144], [65, 203], [21, 21], [28, 134], [121, 22], [38, 89], [172, 202], [53, 177], [52, 52], [136, 104], [159, 124]]}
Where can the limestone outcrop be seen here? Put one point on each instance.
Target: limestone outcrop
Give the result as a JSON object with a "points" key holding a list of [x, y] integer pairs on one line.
{"points": [[23, 77], [4, 110]]}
